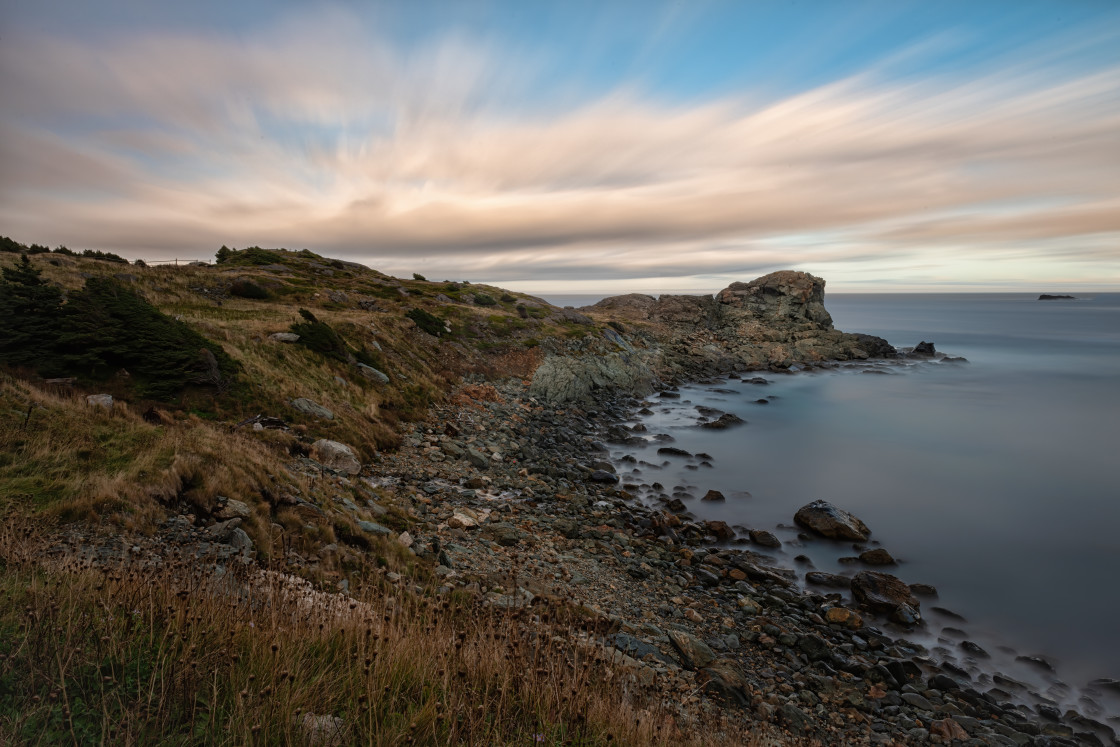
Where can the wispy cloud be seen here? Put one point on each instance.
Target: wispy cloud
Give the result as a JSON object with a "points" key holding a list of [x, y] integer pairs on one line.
{"points": [[319, 133]]}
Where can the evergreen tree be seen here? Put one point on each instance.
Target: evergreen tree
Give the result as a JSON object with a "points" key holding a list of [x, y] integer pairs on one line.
{"points": [[108, 326], [30, 317]]}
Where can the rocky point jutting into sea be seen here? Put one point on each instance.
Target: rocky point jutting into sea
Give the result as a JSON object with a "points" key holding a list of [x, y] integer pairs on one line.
{"points": [[771, 323], [507, 495]]}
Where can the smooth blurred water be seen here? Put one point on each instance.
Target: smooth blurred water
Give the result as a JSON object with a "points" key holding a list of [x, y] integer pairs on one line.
{"points": [[996, 481]]}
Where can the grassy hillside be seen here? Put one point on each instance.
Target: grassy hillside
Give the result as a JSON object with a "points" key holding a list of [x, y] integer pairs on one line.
{"points": [[378, 351]]}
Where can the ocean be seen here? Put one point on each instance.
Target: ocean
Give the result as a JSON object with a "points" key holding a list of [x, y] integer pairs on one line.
{"points": [[994, 480]]}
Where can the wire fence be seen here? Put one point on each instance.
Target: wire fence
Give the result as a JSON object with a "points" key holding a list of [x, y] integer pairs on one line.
{"points": [[177, 262]]}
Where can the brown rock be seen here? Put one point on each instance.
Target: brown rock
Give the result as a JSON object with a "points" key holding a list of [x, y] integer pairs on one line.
{"points": [[764, 538], [720, 529], [844, 616], [877, 556], [881, 592], [949, 729], [826, 519], [695, 654], [723, 679]]}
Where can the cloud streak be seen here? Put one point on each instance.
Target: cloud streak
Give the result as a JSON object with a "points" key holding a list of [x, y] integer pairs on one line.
{"points": [[322, 134]]}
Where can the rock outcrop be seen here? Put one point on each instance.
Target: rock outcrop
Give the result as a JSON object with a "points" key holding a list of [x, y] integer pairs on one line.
{"points": [[772, 322], [578, 370]]}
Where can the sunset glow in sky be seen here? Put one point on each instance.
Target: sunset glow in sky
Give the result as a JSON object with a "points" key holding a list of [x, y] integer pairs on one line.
{"points": [[578, 146]]}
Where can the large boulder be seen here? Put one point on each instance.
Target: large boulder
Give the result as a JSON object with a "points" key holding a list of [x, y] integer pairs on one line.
{"points": [[882, 592], [828, 520], [336, 456], [312, 407]]}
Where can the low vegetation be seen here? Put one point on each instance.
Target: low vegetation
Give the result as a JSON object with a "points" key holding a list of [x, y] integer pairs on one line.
{"points": [[178, 654]]}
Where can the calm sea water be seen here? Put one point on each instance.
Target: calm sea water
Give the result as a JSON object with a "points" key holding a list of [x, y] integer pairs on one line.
{"points": [[996, 481]]}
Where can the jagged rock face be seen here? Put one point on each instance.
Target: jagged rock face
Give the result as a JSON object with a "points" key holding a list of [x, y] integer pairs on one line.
{"points": [[583, 368], [686, 311], [785, 296]]}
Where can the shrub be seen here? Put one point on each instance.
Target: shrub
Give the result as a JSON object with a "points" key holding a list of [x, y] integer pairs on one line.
{"points": [[507, 298], [104, 256], [428, 322], [418, 276], [484, 299], [319, 337], [107, 326], [246, 288], [522, 311]]}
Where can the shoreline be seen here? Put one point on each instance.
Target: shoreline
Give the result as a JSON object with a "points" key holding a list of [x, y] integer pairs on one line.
{"points": [[771, 617], [505, 503], [939, 632]]}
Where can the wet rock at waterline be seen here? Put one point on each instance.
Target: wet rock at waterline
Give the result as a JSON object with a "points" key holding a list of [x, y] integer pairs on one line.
{"points": [[828, 520], [723, 422], [882, 592]]}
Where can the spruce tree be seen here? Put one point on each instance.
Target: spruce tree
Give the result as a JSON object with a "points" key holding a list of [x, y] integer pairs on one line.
{"points": [[30, 318]]}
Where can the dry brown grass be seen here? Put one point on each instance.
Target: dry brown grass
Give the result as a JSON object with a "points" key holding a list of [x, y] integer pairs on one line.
{"points": [[181, 654]]}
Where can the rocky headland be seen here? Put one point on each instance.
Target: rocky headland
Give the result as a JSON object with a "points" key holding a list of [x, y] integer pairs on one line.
{"points": [[775, 322], [497, 502]]}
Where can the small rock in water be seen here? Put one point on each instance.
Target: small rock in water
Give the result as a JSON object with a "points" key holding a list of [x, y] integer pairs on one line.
{"points": [[877, 556], [906, 615], [673, 451], [601, 475], [713, 495], [826, 519], [923, 350], [974, 649], [832, 580], [720, 529], [882, 592], [724, 421], [764, 538]]}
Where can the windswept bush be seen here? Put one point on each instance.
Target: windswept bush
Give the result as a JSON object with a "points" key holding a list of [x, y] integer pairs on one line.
{"points": [[427, 322], [103, 256], [484, 299], [107, 327], [320, 337], [246, 288], [100, 330]]}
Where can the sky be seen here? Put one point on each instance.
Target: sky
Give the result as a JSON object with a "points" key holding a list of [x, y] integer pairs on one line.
{"points": [[578, 146]]}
